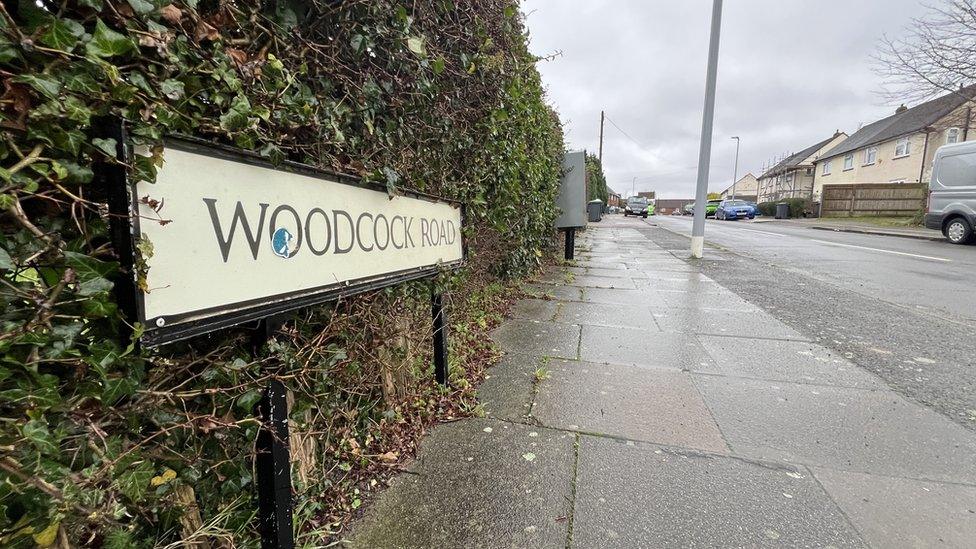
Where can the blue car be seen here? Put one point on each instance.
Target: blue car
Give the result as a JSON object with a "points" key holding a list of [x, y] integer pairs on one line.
{"points": [[735, 209]]}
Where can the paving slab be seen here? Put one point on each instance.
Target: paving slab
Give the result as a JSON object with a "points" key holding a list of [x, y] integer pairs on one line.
{"points": [[609, 273], [508, 388], [532, 337], [723, 322], [641, 347], [589, 281], [796, 361], [477, 483], [553, 291], [897, 512], [653, 405], [640, 495], [840, 428], [534, 309], [607, 314], [628, 297]]}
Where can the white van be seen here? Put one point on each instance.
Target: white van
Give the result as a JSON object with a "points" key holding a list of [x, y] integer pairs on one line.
{"points": [[952, 192]]}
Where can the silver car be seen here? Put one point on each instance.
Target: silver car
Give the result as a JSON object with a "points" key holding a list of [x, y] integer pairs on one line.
{"points": [[952, 192]]}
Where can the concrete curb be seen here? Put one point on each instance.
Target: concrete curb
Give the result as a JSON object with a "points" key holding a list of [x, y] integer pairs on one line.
{"points": [[876, 232]]}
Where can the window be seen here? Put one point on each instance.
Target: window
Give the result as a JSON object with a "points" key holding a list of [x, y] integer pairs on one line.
{"points": [[958, 170], [903, 147], [849, 162], [870, 155], [952, 135], [809, 172], [826, 168]]}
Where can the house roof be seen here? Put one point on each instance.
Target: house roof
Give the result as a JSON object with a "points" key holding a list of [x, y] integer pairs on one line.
{"points": [[901, 123], [795, 160]]}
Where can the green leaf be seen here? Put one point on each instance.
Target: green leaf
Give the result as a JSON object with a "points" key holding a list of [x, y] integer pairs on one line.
{"points": [[141, 6], [37, 433], [42, 83], [172, 89], [416, 44], [87, 267], [94, 286], [93, 4], [134, 481], [108, 43], [438, 65], [358, 43], [63, 34], [237, 118], [107, 146], [6, 262]]}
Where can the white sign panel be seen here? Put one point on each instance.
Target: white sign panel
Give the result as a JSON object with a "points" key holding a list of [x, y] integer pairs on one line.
{"points": [[234, 240]]}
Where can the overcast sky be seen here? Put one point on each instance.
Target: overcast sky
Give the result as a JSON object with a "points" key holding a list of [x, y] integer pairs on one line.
{"points": [[791, 72]]}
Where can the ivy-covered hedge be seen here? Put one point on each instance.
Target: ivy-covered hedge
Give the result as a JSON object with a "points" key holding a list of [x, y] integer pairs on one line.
{"points": [[104, 446]]}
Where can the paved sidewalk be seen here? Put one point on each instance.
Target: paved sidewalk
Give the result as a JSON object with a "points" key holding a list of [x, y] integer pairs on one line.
{"points": [[839, 224], [641, 404]]}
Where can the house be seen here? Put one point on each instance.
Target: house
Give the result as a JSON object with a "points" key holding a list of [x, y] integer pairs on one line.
{"points": [[647, 194], [613, 198], [899, 148], [664, 206], [746, 188], [793, 177]]}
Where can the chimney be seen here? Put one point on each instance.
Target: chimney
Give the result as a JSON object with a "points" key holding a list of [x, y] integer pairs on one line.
{"points": [[901, 109]]}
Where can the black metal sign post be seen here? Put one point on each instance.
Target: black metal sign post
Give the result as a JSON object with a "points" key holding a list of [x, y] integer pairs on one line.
{"points": [[440, 337], [570, 243], [273, 467]]}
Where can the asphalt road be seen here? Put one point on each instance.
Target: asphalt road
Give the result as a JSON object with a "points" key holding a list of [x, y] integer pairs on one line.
{"points": [[904, 309], [933, 277]]}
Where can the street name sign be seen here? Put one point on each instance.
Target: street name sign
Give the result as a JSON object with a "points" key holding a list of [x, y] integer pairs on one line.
{"points": [[234, 239]]}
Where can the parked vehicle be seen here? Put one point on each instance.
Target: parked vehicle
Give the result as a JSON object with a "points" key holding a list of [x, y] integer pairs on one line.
{"points": [[689, 209], [952, 192], [636, 205], [710, 208], [734, 209], [676, 211]]}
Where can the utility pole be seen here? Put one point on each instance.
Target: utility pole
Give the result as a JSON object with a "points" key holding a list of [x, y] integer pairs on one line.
{"points": [[705, 149], [633, 187], [602, 116], [735, 169]]}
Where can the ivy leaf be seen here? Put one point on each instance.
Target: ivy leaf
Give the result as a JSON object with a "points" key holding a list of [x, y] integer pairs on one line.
{"points": [[107, 146], [416, 44], [94, 287], [141, 6], [42, 83], [87, 267], [63, 34], [392, 179], [134, 482], [6, 262], [236, 118], [37, 433], [358, 43], [93, 4], [108, 43], [438, 65], [172, 88]]}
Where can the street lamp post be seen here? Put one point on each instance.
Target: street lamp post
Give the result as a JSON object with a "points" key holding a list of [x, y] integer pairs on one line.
{"points": [[735, 168], [705, 150]]}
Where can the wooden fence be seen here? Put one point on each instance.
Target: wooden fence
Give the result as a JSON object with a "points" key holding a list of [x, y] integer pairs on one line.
{"points": [[873, 199]]}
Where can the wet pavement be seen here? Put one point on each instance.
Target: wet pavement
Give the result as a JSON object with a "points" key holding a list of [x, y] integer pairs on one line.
{"points": [[640, 403]]}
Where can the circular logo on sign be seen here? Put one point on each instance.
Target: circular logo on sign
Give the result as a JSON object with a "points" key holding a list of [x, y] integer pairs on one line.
{"points": [[281, 243]]}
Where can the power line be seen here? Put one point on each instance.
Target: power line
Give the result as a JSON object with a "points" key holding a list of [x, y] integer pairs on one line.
{"points": [[627, 135]]}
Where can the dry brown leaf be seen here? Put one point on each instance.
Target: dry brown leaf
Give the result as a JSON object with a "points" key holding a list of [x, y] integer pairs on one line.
{"points": [[389, 456], [205, 31], [171, 13], [238, 56]]}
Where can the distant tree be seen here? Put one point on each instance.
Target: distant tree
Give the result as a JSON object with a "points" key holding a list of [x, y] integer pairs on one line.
{"points": [[596, 181], [714, 196], [935, 54]]}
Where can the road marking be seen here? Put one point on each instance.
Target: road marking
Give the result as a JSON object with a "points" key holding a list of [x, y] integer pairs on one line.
{"points": [[760, 232], [880, 250]]}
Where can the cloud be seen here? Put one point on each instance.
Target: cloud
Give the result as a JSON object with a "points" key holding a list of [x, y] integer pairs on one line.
{"points": [[790, 74]]}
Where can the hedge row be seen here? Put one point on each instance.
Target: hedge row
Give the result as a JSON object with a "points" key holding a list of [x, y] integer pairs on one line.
{"points": [[104, 446]]}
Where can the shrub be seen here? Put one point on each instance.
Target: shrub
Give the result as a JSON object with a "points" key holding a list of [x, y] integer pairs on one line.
{"points": [[799, 207], [108, 446]]}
